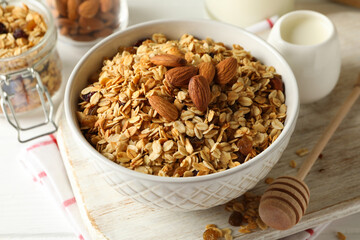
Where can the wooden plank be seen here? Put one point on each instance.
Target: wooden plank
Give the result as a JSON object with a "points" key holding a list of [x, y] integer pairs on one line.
{"points": [[354, 3], [333, 181]]}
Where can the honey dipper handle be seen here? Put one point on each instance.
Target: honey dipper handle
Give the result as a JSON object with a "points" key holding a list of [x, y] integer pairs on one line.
{"points": [[329, 131]]}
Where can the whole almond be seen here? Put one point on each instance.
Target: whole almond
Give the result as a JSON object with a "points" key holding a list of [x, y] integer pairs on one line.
{"points": [[55, 13], [103, 32], [207, 70], [108, 18], [85, 31], [226, 70], [83, 38], [106, 5], [67, 22], [199, 92], [64, 30], [89, 8], [168, 60], [91, 24], [166, 109], [73, 9], [180, 76], [73, 30], [67, 27], [116, 7], [61, 6]]}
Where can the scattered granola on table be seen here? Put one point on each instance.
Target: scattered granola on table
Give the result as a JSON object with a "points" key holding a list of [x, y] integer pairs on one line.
{"points": [[302, 152], [340, 236], [292, 164], [247, 206], [149, 110], [244, 214], [269, 180], [212, 232]]}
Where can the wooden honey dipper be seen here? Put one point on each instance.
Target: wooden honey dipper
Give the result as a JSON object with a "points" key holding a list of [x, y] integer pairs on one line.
{"points": [[285, 201]]}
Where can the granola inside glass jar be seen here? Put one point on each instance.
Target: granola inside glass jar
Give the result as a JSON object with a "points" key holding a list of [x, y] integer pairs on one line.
{"points": [[84, 22], [30, 67]]}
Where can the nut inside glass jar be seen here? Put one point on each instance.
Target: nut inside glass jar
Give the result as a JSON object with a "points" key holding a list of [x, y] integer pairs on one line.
{"points": [[83, 22]]}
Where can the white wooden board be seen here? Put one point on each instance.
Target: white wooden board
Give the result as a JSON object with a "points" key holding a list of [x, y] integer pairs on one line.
{"points": [[333, 181]]}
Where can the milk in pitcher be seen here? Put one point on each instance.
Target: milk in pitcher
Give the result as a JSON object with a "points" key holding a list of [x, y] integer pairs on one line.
{"points": [[306, 30]]}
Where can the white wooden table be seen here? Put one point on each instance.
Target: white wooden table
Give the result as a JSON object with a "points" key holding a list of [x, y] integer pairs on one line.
{"points": [[26, 212]]}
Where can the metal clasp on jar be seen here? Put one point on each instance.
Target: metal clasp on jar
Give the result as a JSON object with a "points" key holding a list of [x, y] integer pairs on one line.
{"points": [[12, 117], [3, 3]]}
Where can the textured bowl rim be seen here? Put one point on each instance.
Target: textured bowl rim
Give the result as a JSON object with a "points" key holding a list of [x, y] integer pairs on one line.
{"points": [[172, 180]]}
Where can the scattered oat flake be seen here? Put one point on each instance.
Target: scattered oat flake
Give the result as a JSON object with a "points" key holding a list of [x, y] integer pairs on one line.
{"points": [[292, 164], [210, 226], [212, 233], [261, 224], [244, 230], [238, 207], [269, 180], [228, 236], [340, 236], [302, 152]]}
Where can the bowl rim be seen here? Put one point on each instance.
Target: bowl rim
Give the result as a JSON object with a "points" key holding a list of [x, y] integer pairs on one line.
{"points": [[291, 120]]}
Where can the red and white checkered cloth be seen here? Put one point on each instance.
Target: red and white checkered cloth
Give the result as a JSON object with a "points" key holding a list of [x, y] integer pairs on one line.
{"points": [[43, 160], [308, 234]]}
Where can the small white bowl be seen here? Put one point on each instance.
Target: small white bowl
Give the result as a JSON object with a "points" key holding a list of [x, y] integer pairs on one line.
{"points": [[193, 193]]}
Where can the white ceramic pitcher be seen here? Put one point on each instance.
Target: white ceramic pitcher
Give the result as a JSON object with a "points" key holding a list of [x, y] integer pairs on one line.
{"points": [[309, 42], [244, 13]]}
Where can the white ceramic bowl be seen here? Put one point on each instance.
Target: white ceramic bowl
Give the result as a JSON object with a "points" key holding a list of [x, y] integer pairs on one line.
{"points": [[194, 193]]}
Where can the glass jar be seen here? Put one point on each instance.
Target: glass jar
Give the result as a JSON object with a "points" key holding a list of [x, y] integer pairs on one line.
{"points": [[84, 22], [30, 66]]}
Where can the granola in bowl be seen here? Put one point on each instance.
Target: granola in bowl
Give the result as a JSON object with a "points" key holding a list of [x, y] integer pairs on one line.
{"points": [[182, 108]]}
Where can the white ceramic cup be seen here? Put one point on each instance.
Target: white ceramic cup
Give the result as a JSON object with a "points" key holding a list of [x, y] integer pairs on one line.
{"points": [[309, 42]]}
